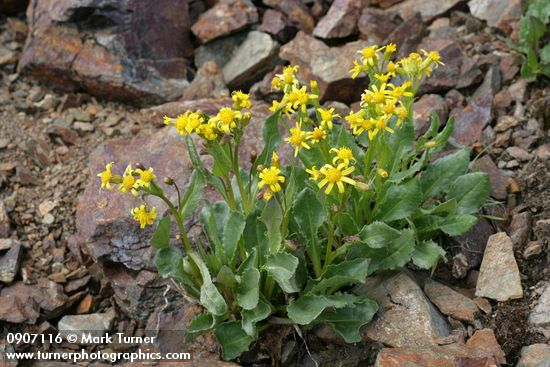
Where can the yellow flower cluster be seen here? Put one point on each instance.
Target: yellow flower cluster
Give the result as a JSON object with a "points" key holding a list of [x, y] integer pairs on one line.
{"points": [[296, 97], [226, 120], [335, 174], [271, 178], [132, 180]]}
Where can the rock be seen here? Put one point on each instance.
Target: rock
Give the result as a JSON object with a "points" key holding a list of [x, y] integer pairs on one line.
{"points": [[428, 9], [49, 102], [329, 66], [9, 263], [450, 302], [226, 17], [539, 318], [519, 154], [96, 325], [424, 107], [472, 243], [499, 277], [543, 152], [542, 230], [251, 61], [296, 11], [115, 50], [497, 13], [278, 25], [470, 121], [535, 355], [376, 25], [533, 248], [208, 83], [13, 310], [7, 243], [384, 3], [499, 182], [13, 7], [460, 70], [4, 221], [408, 35], [107, 232], [453, 355], [506, 122], [85, 305], [483, 304], [485, 340], [48, 219], [46, 206], [340, 20], [520, 228], [405, 317], [47, 295], [4, 361], [220, 50]]}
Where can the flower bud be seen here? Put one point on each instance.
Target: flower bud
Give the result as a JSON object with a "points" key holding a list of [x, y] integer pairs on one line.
{"points": [[253, 156], [361, 186], [260, 168], [140, 166], [168, 180]]}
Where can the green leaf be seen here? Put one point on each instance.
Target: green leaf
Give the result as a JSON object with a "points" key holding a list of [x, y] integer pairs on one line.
{"points": [[345, 273], [426, 254], [209, 217], [201, 324], [348, 321], [307, 308], [222, 158], [251, 317], [441, 174], [347, 224], [168, 260], [539, 9], [197, 164], [232, 339], [471, 192], [161, 237], [254, 236], [545, 54], [271, 137], [400, 201], [248, 292], [232, 234], [530, 32], [226, 278], [531, 67], [378, 235], [272, 217], [191, 199], [210, 297], [455, 225], [282, 267], [309, 214]]}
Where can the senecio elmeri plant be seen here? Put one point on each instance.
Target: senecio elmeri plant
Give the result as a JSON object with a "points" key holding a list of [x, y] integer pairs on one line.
{"points": [[287, 242]]}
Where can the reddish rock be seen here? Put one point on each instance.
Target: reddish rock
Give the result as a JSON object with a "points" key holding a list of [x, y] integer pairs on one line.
{"points": [[520, 228], [340, 20], [472, 243], [385, 3], [423, 109], [499, 182], [485, 340], [453, 355], [408, 35], [497, 13], [329, 66], [278, 25], [376, 25], [296, 11], [73, 44], [208, 83], [4, 221], [428, 9], [470, 121], [460, 70], [226, 17], [450, 302], [14, 310]]}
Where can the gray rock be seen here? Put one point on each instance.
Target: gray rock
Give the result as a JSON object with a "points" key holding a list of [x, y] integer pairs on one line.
{"points": [[533, 248], [499, 277], [520, 228], [340, 20], [4, 221], [519, 154], [405, 316], [220, 50], [450, 302], [97, 325], [497, 13], [208, 83], [428, 9], [9, 263], [540, 315], [7, 243], [535, 355], [254, 58]]}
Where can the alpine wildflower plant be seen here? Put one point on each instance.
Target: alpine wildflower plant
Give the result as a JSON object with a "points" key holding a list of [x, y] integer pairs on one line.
{"points": [[293, 233]]}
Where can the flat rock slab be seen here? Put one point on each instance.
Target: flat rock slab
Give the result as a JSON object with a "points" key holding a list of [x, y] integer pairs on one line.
{"points": [[540, 315], [340, 20], [448, 355], [96, 324], [497, 13], [485, 340], [499, 277], [405, 316], [535, 355], [450, 302]]}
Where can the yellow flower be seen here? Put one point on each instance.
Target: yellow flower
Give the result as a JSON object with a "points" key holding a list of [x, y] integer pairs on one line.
{"points": [[327, 115], [380, 125], [370, 54], [336, 176], [298, 98], [226, 119], [128, 181], [167, 120], [343, 155], [382, 172], [355, 120], [107, 176], [242, 100], [315, 173], [143, 216], [298, 138], [271, 177], [317, 134], [275, 162], [366, 125], [209, 130], [357, 69], [276, 83], [391, 68], [145, 177], [400, 91], [267, 194], [383, 78], [390, 49], [402, 114], [434, 57], [378, 94], [289, 74]]}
